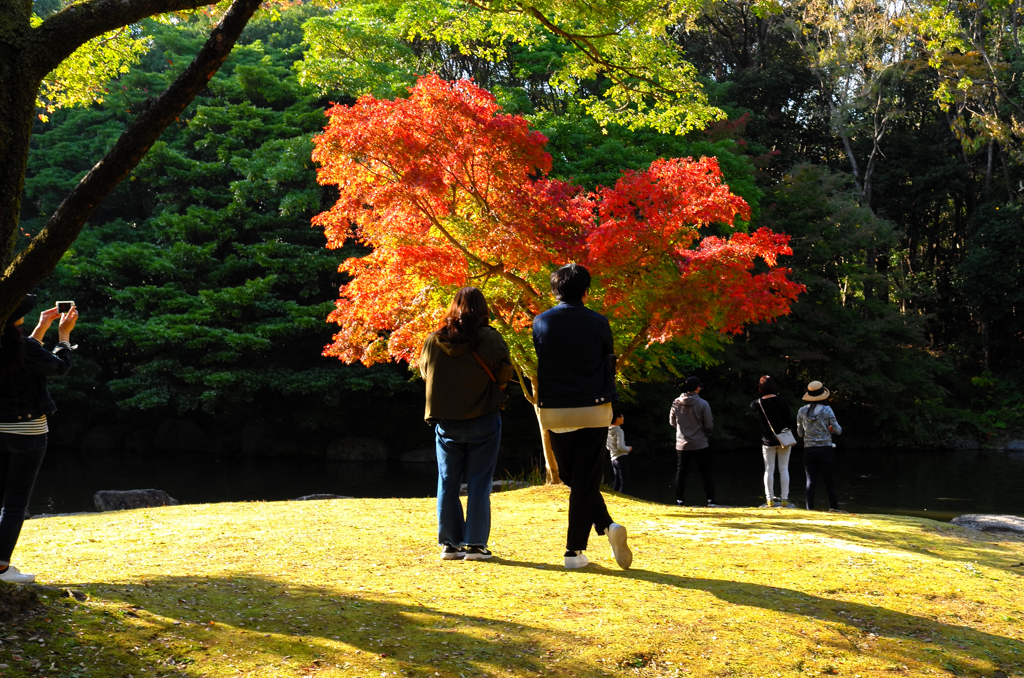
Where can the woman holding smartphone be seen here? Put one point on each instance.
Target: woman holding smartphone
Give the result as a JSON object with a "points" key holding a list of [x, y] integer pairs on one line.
{"points": [[24, 405]]}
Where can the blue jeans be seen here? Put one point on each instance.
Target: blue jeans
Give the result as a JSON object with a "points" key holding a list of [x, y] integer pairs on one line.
{"points": [[20, 459], [466, 447]]}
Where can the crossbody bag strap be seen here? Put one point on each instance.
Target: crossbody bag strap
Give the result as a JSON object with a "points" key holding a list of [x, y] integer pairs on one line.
{"points": [[772, 428], [484, 365]]}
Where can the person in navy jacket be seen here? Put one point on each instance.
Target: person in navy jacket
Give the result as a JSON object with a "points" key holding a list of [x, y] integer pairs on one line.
{"points": [[575, 392]]}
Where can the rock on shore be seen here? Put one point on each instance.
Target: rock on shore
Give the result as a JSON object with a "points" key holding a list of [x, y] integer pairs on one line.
{"points": [[118, 500], [991, 523]]}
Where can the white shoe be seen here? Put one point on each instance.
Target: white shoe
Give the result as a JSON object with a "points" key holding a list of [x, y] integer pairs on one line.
{"points": [[575, 560], [16, 576], [620, 549]]}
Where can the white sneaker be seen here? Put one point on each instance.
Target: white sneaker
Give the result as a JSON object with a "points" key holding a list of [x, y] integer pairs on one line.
{"points": [[575, 560], [16, 576], [620, 549]]}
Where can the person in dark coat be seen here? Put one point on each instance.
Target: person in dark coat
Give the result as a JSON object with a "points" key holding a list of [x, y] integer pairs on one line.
{"points": [[575, 392], [774, 414], [25, 404]]}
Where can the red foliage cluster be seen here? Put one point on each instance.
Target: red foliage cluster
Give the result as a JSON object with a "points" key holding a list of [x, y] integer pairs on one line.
{"points": [[449, 191]]}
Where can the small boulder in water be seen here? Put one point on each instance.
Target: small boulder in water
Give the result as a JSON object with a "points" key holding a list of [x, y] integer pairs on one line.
{"points": [[991, 523], [357, 449], [119, 500], [964, 443]]}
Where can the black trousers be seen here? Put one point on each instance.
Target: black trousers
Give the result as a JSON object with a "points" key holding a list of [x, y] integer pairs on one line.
{"points": [[620, 469], [580, 454], [20, 459], [703, 459], [820, 460]]}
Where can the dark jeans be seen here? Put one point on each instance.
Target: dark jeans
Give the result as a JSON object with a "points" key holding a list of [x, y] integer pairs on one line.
{"points": [[20, 459], [466, 447], [820, 459], [703, 459], [580, 455], [620, 469]]}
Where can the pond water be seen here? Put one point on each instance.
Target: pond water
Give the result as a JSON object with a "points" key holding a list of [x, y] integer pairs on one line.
{"points": [[939, 484]]}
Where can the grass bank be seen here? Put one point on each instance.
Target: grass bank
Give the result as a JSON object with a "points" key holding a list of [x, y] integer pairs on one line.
{"points": [[354, 587]]}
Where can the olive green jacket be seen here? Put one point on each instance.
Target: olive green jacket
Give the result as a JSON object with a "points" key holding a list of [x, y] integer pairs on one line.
{"points": [[457, 385]]}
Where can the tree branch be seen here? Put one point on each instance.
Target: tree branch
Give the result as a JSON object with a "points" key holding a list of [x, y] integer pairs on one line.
{"points": [[67, 30], [491, 269], [484, 7], [632, 346]]}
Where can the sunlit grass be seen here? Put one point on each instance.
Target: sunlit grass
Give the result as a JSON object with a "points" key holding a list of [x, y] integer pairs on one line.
{"points": [[354, 587]]}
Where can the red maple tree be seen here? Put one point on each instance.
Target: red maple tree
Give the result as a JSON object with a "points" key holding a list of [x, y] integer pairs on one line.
{"points": [[449, 191]]}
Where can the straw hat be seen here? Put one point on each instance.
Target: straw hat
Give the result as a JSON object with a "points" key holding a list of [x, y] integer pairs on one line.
{"points": [[816, 391]]}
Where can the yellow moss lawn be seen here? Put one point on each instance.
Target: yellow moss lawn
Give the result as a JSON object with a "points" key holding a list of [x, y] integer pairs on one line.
{"points": [[354, 587]]}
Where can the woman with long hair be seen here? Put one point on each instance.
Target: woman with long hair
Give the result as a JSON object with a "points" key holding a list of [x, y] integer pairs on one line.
{"points": [[24, 406], [466, 365], [775, 415]]}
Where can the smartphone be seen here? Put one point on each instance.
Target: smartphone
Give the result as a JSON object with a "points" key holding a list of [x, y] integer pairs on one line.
{"points": [[64, 306]]}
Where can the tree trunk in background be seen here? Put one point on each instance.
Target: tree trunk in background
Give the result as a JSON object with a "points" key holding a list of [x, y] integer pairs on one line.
{"points": [[550, 465], [986, 339], [988, 171]]}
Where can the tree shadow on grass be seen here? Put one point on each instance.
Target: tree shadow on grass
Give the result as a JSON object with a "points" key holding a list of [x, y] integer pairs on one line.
{"points": [[280, 628], [956, 643], [955, 548]]}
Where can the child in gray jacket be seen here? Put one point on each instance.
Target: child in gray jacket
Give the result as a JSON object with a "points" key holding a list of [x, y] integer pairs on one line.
{"points": [[620, 453]]}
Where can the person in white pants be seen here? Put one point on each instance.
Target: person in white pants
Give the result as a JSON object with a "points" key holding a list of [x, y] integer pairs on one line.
{"points": [[775, 414]]}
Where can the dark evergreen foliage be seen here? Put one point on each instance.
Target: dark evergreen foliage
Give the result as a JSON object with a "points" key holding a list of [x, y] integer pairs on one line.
{"points": [[201, 284]]}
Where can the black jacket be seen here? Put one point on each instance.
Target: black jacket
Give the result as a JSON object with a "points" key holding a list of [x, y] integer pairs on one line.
{"points": [[780, 414], [23, 393], [575, 357]]}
